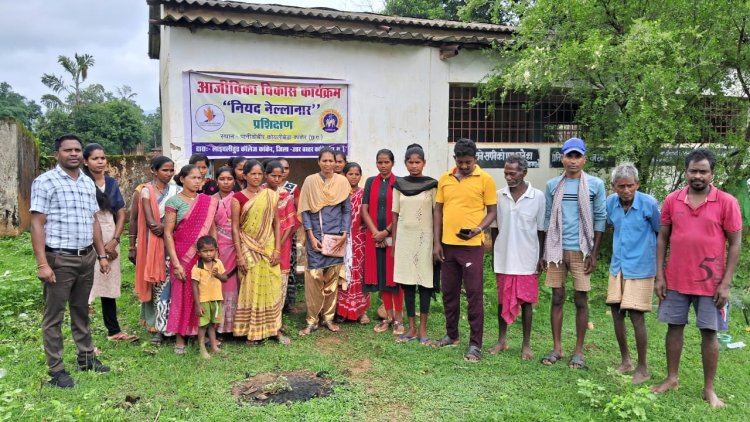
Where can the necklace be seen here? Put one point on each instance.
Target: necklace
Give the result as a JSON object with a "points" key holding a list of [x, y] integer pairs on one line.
{"points": [[188, 197], [161, 191]]}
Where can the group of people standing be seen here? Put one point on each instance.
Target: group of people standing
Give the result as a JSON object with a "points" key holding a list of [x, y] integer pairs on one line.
{"points": [[218, 256]]}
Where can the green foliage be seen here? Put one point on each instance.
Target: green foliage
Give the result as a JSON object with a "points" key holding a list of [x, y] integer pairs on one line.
{"points": [[17, 106], [465, 10], [630, 405], [77, 69], [645, 74], [591, 392]]}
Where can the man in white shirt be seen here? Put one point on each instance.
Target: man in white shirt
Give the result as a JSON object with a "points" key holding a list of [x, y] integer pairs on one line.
{"points": [[518, 251]]}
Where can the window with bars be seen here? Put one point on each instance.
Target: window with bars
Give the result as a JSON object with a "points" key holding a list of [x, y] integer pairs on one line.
{"points": [[725, 116], [513, 120]]}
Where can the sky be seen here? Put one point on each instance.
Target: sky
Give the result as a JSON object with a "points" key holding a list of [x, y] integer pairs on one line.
{"points": [[114, 32]]}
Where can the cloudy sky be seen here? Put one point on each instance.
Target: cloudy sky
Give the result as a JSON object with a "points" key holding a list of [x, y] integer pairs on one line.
{"points": [[115, 32]]}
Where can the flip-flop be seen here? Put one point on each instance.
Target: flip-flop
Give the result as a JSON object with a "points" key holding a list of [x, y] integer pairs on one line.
{"points": [[578, 361], [403, 338], [255, 343], [398, 328], [445, 342], [179, 350], [551, 358], [122, 337], [330, 326], [425, 341]]}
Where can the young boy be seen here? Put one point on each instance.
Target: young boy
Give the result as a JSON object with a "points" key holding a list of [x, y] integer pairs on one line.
{"points": [[207, 275]]}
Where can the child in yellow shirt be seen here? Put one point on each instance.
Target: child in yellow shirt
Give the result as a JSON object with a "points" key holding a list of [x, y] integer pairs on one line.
{"points": [[207, 275]]}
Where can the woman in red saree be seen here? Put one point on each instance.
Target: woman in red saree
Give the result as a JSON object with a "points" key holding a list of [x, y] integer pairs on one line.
{"points": [[353, 302], [227, 253], [189, 216]]}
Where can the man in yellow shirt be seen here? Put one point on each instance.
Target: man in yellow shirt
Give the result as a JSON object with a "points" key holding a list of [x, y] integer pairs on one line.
{"points": [[466, 204]]}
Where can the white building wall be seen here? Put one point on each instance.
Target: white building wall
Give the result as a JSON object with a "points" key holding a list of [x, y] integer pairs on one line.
{"points": [[398, 93]]}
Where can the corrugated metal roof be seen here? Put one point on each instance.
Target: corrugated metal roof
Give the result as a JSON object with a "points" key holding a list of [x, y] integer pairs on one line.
{"points": [[317, 23]]}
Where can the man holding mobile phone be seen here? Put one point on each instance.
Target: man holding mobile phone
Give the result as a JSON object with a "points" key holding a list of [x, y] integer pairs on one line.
{"points": [[466, 204]]}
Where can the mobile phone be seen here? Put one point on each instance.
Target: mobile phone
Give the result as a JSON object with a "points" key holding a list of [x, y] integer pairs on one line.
{"points": [[465, 232]]}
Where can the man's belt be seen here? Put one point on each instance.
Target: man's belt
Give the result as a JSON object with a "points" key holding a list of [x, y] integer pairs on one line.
{"points": [[74, 252]]}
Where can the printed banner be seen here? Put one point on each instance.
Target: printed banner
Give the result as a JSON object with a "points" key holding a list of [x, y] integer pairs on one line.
{"points": [[495, 157], [234, 115]]}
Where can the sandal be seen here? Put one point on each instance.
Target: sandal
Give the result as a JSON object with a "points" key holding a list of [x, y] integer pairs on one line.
{"points": [[157, 339], [398, 328], [331, 326], [383, 326], [254, 343], [551, 358], [282, 339], [179, 350], [425, 341], [445, 342], [577, 362], [474, 354], [405, 339], [122, 337], [364, 319], [307, 330]]}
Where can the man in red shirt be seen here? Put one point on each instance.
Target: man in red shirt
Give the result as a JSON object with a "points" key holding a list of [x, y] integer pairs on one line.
{"points": [[696, 221]]}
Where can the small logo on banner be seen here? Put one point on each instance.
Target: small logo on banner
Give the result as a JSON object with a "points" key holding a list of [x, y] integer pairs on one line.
{"points": [[209, 118], [330, 120]]}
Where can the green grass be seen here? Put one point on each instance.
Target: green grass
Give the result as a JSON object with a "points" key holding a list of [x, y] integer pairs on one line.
{"points": [[376, 379]]}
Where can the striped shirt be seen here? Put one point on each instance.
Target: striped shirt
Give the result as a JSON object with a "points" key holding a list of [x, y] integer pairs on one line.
{"points": [[69, 206]]}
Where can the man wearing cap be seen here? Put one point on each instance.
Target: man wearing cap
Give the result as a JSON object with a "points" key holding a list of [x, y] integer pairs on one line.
{"points": [[575, 219]]}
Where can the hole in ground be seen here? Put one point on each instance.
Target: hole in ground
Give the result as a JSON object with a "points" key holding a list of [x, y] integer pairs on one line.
{"points": [[283, 387]]}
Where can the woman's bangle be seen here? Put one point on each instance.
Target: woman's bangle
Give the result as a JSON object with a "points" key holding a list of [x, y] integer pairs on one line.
{"points": [[388, 230]]}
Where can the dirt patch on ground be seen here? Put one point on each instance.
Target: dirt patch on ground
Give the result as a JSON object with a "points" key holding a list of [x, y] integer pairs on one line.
{"points": [[283, 387], [359, 367]]}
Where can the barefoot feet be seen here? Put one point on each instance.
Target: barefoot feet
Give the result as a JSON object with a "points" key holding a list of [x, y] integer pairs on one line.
{"points": [[666, 385], [710, 397], [501, 346], [526, 353], [641, 375], [625, 367]]}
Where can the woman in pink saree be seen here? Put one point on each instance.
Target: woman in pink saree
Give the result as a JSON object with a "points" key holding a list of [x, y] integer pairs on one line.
{"points": [[189, 215], [227, 253]]}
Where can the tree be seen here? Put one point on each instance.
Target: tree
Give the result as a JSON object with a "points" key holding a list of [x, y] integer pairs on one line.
{"points": [[644, 74], [78, 69], [17, 106], [153, 128], [467, 10]]}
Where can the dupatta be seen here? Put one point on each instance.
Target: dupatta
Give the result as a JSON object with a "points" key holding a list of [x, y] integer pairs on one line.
{"points": [[150, 255], [371, 267], [223, 219], [287, 219]]}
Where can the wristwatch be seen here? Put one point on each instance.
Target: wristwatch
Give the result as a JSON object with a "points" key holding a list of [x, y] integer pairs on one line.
{"points": [[100, 257]]}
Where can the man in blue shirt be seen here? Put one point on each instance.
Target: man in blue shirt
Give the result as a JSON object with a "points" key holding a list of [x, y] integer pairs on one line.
{"points": [[635, 217], [575, 219]]}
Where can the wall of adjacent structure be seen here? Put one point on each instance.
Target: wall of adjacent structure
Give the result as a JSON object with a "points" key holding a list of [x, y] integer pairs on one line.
{"points": [[19, 157], [398, 93]]}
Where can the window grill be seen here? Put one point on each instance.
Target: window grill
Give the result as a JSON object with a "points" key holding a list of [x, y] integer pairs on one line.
{"points": [[513, 120]]}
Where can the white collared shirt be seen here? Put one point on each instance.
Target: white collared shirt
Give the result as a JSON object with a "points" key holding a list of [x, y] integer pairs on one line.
{"points": [[517, 242]]}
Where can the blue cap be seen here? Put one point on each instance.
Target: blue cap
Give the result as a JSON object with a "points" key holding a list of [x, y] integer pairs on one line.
{"points": [[574, 144]]}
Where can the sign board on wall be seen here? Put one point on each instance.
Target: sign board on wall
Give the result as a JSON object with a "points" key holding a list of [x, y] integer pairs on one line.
{"points": [[595, 158], [237, 115], [495, 157]]}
